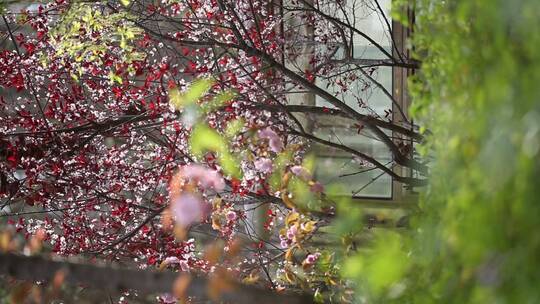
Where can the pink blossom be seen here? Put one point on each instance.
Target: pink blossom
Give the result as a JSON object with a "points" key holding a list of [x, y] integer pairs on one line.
{"points": [[171, 260], [167, 298], [291, 232], [184, 266], [284, 242], [231, 215], [207, 178], [264, 165], [275, 143], [312, 258], [187, 209], [301, 172]]}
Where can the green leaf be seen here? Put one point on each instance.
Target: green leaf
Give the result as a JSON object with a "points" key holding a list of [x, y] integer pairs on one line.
{"points": [[176, 98], [380, 266], [303, 197], [204, 138], [318, 297], [282, 160], [309, 163], [114, 78], [197, 89], [229, 164], [217, 102], [234, 127], [195, 92]]}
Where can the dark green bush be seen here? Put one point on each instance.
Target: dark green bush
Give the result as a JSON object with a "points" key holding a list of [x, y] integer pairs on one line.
{"points": [[475, 239]]}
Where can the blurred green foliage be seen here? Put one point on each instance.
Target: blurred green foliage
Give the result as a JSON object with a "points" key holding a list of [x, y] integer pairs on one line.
{"points": [[478, 92], [196, 91], [203, 138]]}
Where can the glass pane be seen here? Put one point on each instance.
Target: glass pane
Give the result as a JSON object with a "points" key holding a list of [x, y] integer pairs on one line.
{"points": [[370, 21], [369, 183], [337, 166], [362, 95], [359, 177]]}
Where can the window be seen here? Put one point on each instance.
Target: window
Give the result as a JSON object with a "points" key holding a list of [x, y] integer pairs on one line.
{"points": [[360, 179], [366, 96]]}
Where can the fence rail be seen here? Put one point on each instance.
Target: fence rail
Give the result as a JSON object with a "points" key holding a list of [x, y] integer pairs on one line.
{"points": [[36, 268]]}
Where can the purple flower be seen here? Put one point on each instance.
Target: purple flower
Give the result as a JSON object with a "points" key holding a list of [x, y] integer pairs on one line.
{"points": [[207, 178], [317, 187], [264, 165], [187, 209], [301, 172], [275, 143]]}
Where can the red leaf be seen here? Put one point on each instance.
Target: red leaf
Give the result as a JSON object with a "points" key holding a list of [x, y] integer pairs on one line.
{"points": [[12, 160]]}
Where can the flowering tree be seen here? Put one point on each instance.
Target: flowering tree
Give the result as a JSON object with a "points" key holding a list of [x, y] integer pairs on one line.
{"points": [[111, 149]]}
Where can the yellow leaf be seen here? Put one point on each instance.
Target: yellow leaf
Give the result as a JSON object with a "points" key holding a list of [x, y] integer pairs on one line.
{"points": [[251, 279], [289, 254], [309, 226], [203, 138], [216, 203], [331, 281], [216, 223], [234, 127], [217, 102], [114, 78], [166, 220], [285, 180], [309, 163], [290, 276], [287, 200], [163, 265], [124, 2], [291, 218]]}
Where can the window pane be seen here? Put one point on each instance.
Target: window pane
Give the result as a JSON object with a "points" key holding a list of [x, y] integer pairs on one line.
{"points": [[370, 21], [362, 95], [359, 177], [371, 183]]}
